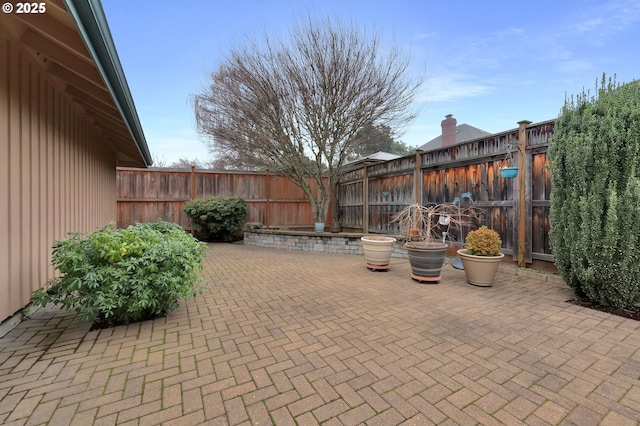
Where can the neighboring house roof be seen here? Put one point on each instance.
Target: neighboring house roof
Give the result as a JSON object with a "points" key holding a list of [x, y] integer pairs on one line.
{"points": [[464, 132], [72, 42], [375, 157]]}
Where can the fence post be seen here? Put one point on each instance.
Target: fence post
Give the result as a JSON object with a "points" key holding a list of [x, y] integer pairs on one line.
{"points": [[267, 191], [365, 201], [193, 182], [417, 177], [192, 191], [522, 191]]}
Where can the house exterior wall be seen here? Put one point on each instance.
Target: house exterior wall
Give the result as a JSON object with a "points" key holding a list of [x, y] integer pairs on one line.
{"points": [[57, 174]]}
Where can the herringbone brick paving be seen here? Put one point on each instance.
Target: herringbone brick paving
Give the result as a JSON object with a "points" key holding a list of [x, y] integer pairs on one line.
{"points": [[298, 338]]}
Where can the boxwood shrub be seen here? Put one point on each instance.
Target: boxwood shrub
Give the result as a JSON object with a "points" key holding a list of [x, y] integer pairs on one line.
{"points": [[217, 218], [125, 275]]}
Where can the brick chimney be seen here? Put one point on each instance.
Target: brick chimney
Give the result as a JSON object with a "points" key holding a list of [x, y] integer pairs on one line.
{"points": [[449, 130]]}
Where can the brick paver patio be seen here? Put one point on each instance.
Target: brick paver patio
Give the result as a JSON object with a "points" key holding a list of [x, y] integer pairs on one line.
{"points": [[296, 338]]}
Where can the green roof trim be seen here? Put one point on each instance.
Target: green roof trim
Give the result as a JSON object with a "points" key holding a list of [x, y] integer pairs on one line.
{"points": [[94, 30]]}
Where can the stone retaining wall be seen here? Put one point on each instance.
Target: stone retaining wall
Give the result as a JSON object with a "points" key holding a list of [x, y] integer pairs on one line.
{"points": [[316, 242], [349, 243]]}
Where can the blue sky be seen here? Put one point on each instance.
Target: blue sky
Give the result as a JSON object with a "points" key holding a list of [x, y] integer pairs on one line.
{"points": [[489, 63]]}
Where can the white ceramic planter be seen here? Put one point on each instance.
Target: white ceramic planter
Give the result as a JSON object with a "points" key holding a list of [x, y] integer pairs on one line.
{"points": [[377, 250]]}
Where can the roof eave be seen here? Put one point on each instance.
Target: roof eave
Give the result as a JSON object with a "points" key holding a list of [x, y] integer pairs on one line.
{"points": [[94, 30]]}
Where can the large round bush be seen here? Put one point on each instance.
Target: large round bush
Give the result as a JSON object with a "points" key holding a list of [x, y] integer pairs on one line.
{"points": [[125, 275], [217, 218]]}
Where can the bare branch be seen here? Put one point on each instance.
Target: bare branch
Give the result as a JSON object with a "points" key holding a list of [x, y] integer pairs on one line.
{"points": [[295, 106]]}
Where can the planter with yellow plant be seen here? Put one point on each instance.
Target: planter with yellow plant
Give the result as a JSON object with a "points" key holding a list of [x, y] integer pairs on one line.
{"points": [[482, 256]]}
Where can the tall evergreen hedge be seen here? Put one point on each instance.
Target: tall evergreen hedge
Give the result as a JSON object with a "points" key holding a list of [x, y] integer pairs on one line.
{"points": [[594, 157]]}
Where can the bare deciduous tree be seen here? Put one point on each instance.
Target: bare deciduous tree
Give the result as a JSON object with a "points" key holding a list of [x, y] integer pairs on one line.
{"points": [[159, 160], [185, 163], [295, 106]]}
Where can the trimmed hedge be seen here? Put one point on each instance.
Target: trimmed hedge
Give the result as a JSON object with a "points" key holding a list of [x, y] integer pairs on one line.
{"points": [[217, 218]]}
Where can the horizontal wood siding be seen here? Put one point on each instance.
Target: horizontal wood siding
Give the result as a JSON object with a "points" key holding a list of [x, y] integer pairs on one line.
{"points": [[57, 175]]}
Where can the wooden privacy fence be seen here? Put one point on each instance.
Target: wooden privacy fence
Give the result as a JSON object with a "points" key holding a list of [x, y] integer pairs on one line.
{"points": [[145, 195], [369, 195]]}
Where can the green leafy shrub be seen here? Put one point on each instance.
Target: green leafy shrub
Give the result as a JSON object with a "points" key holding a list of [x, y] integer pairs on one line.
{"points": [[594, 158], [217, 218], [483, 242], [125, 275]]}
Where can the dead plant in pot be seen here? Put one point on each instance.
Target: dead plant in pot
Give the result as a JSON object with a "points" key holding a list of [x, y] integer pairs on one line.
{"points": [[426, 229]]}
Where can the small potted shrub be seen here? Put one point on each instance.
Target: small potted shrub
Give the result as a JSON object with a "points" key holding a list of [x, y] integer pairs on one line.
{"points": [[482, 256]]}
